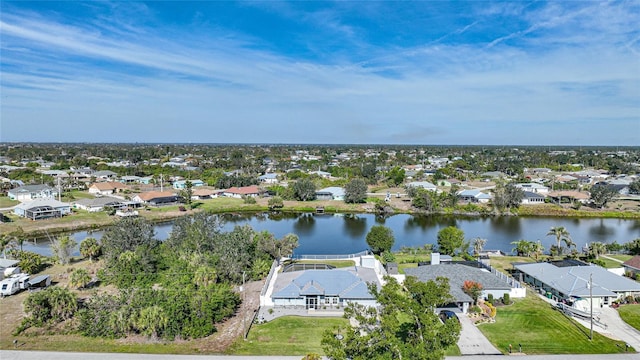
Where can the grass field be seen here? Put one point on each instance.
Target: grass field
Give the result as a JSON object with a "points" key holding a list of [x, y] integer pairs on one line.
{"points": [[503, 263], [6, 202], [289, 335], [610, 264], [621, 257], [630, 314], [541, 330]]}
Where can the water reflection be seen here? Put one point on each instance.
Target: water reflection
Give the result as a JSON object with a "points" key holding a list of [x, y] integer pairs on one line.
{"points": [[304, 225], [509, 225], [354, 225]]}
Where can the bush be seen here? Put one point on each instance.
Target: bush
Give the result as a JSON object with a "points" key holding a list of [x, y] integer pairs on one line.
{"points": [[490, 299], [249, 200], [475, 309], [506, 299]]}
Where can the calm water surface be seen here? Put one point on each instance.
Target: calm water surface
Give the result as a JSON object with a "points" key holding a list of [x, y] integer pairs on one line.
{"points": [[345, 234]]}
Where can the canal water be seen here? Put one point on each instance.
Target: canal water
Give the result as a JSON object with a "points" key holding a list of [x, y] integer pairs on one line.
{"points": [[346, 233]]}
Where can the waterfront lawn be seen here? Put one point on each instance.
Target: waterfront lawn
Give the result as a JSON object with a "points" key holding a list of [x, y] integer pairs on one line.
{"points": [[610, 264], [5, 202], [540, 329], [621, 257], [630, 314], [503, 263], [288, 335]]}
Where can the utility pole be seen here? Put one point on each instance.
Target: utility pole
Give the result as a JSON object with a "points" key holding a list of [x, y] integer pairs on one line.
{"points": [[591, 301]]}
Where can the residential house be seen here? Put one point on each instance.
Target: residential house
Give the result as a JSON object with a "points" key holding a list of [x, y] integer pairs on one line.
{"points": [[107, 188], [105, 175], [458, 274], [203, 194], [100, 203], [239, 192], [474, 196], [531, 198], [130, 179], [42, 209], [533, 187], [32, 192], [423, 184], [574, 196], [330, 193], [270, 178], [156, 198], [571, 283], [493, 175], [182, 184], [146, 180], [632, 267], [322, 174]]}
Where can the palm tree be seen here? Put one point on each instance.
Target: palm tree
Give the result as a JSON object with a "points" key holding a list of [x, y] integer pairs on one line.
{"points": [[80, 278], [597, 248], [478, 244], [537, 249], [523, 247], [561, 234]]}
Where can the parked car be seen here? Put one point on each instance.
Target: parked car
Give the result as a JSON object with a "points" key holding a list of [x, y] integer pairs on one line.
{"points": [[448, 314]]}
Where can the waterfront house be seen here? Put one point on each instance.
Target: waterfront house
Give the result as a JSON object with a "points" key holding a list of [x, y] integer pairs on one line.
{"points": [[42, 209], [182, 184], [156, 198], [32, 192], [474, 196], [330, 193], [239, 192], [531, 198], [632, 266], [571, 283]]}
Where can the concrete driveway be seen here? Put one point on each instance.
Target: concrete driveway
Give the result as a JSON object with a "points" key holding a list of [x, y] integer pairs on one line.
{"points": [[472, 341], [618, 329]]}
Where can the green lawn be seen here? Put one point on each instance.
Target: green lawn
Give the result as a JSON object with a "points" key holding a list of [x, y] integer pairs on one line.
{"points": [[533, 323], [502, 263], [289, 335], [630, 314], [610, 264], [621, 257], [6, 202]]}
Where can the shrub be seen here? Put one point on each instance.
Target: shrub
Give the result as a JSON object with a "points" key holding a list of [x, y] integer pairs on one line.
{"points": [[490, 299], [475, 309], [249, 200], [506, 299]]}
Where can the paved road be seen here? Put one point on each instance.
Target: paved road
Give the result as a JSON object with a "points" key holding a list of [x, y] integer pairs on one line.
{"points": [[472, 341], [42, 355]]}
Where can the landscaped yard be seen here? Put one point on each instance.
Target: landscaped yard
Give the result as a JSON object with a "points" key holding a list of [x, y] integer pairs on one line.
{"points": [[336, 263], [289, 335], [630, 314], [533, 323], [621, 257], [503, 263], [610, 264], [6, 202]]}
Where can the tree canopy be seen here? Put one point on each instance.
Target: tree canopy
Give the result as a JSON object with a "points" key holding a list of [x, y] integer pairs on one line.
{"points": [[355, 191], [450, 239], [404, 325], [380, 239], [304, 190]]}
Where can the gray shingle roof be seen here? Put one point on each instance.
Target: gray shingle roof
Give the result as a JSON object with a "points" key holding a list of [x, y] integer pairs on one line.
{"points": [[573, 280], [350, 283], [457, 275]]}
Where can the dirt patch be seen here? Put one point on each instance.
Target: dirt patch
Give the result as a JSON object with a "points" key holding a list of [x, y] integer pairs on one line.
{"points": [[233, 328]]}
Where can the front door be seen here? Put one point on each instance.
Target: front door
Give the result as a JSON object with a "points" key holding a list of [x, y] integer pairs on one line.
{"points": [[312, 302]]}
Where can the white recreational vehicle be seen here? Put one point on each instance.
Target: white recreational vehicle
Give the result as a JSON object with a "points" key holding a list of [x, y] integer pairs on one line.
{"points": [[13, 284]]}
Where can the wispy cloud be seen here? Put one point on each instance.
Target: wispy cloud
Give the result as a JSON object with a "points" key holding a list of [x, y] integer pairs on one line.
{"points": [[171, 83]]}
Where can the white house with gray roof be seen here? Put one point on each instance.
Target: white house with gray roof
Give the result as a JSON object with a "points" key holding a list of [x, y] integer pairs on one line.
{"points": [[32, 192], [42, 209], [572, 282], [319, 289], [330, 193], [458, 274]]}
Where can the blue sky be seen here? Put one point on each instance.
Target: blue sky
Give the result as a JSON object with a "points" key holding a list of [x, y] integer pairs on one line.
{"points": [[391, 72]]}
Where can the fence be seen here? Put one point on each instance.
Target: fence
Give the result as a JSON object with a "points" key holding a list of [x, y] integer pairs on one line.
{"points": [[331, 257], [274, 265]]}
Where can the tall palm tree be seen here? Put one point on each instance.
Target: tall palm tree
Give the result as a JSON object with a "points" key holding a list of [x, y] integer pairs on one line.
{"points": [[523, 247], [537, 249], [478, 245], [597, 248], [561, 234]]}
